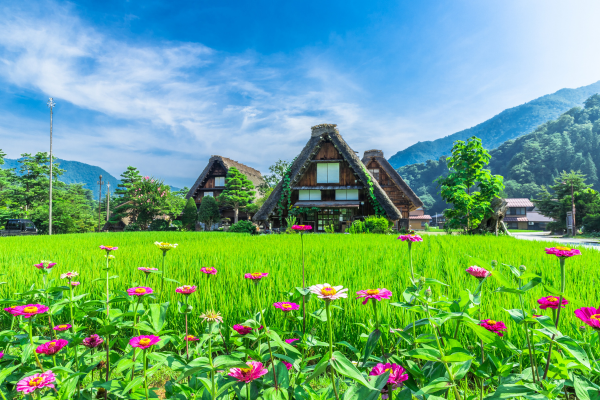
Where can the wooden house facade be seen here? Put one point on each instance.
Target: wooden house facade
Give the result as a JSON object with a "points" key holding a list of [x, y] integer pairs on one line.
{"points": [[211, 182], [328, 185]]}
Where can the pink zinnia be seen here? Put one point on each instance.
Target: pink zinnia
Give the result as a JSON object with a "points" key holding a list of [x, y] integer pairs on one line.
{"points": [[327, 292], [92, 341], [375, 294], [256, 275], [144, 342], [36, 381], [287, 365], [186, 289], [478, 272], [29, 310], [52, 347], [69, 275], [139, 291], [44, 265], [11, 310], [410, 238], [191, 338], [75, 283], [494, 326], [301, 228], [285, 306], [243, 329], [62, 327], [562, 251], [109, 248], [209, 270], [551, 302], [291, 341], [147, 270], [255, 371], [589, 315], [1, 355], [397, 373]]}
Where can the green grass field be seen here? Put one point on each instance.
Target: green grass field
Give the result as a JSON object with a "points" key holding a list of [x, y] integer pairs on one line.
{"points": [[355, 261]]}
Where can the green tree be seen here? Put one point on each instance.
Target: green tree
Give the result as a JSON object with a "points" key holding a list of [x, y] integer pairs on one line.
{"points": [[149, 198], [271, 180], [239, 191], [208, 213], [124, 191], [33, 184], [469, 187], [73, 211], [190, 215]]}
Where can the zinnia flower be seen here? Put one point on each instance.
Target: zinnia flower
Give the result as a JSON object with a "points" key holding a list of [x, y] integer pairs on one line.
{"points": [[561, 251], [494, 326], [165, 246], [285, 306], [255, 371], [11, 310], [375, 294], [62, 327], [410, 238], [211, 316], [75, 283], [36, 381], [92, 341], [109, 248], [144, 342], [397, 373], [256, 275], [44, 265], [69, 275], [29, 310], [147, 270], [243, 329], [291, 341], [589, 315], [186, 289], [52, 347], [478, 272], [1, 355], [551, 302], [191, 338], [139, 291], [287, 365], [209, 270], [301, 228], [328, 292]]}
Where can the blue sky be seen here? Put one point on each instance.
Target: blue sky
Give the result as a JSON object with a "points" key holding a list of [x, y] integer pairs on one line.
{"points": [[163, 85]]}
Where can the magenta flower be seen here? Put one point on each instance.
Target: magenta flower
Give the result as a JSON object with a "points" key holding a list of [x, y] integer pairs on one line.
{"points": [[109, 248], [287, 365], [375, 294], [561, 251], [44, 265], [327, 292], [243, 329], [36, 381], [147, 270], [285, 306], [139, 291], [1, 355], [30, 310], [11, 310], [144, 342], [551, 302], [410, 238], [62, 327], [256, 275], [209, 270], [291, 341], [92, 341], [52, 347], [478, 272], [247, 375], [191, 338], [397, 373], [589, 315], [493, 326], [186, 289], [301, 228], [69, 275], [75, 283]]}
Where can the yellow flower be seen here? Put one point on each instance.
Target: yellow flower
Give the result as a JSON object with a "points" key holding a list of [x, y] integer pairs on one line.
{"points": [[165, 246]]}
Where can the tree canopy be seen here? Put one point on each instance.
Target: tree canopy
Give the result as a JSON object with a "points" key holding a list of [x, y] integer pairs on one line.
{"points": [[239, 191]]}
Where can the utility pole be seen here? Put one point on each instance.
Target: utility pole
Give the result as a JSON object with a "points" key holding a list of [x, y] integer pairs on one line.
{"points": [[573, 210], [107, 201], [100, 183], [51, 105]]}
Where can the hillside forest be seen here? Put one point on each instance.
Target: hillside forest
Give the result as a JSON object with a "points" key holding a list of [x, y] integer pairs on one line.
{"points": [[570, 142]]}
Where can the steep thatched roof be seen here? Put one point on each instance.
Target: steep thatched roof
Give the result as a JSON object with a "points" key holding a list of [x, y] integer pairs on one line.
{"points": [[251, 173], [319, 134], [377, 155]]}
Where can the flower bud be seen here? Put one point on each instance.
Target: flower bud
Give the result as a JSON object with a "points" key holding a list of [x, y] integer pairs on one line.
{"points": [[428, 292], [494, 263], [522, 268], [582, 328], [422, 280]]}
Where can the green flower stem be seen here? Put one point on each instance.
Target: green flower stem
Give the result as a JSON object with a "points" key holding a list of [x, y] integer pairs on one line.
{"points": [[248, 391], [412, 273], [162, 275], [37, 360], [54, 361], [531, 360], [12, 324], [329, 323], [2, 394], [377, 324], [210, 293], [107, 323], [213, 390], [38, 395], [135, 309], [303, 286], [145, 369], [73, 323], [562, 291], [264, 322], [187, 342]]}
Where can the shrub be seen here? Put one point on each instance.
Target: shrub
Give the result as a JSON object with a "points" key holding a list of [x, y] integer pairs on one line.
{"points": [[289, 222], [244, 226], [134, 227], [357, 227], [160, 225], [377, 224], [208, 213], [591, 223]]}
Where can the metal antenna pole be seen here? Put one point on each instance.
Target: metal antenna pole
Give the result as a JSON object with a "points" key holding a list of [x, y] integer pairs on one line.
{"points": [[51, 104], [107, 201], [99, 202]]}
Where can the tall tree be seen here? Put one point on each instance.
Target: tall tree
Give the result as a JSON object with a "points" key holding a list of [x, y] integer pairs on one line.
{"points": [[469, 187], [33, 179], [124, 191], [271, 180], [190, 214], [239, 191], [208, 213]]}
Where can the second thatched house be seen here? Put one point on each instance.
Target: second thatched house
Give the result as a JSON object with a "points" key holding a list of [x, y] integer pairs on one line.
{"points": [[328, 185]]}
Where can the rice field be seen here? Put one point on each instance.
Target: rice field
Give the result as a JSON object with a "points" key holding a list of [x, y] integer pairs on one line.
{"points": [[354, 261]]}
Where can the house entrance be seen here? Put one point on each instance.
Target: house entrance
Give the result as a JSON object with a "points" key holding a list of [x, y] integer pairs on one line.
{"points": [[333, 216]]}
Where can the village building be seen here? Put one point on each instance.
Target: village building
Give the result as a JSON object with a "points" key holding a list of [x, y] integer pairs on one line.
{"points": [[418, 219], [328, 185], [522, 214], [211, 182]]}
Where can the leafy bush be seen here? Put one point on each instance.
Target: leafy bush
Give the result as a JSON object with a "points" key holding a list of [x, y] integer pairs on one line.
{"points": [[377, 224], [134, 227], [357, 227], [244, 226], [591, 223], [289, 222], [329, 228], [160, 225]]}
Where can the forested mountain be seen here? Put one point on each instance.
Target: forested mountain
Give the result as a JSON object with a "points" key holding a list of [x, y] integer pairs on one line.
{"points": [[570, 142], [509, 124], [77, 172]]}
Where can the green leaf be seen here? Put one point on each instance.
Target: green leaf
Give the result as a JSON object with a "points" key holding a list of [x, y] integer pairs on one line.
{"points": [[319, 369], [516, 315], [137, 381], [434, 386], [6, 372], [371, 343], [459, 370], [225, 361], [574, 349], [344, 367], [425, 354], [509, 391], [158, 315], [457, 357], [585, 389]]}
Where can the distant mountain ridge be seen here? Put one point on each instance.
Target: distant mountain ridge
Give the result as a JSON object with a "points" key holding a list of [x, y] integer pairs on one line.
{"points": [[509, 124]]}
